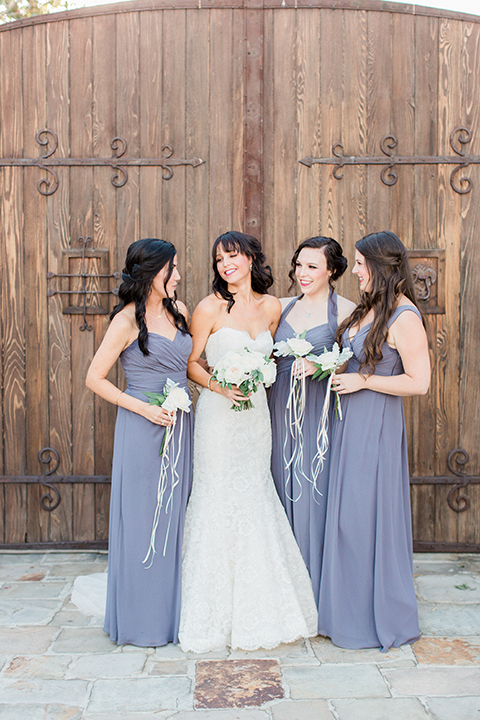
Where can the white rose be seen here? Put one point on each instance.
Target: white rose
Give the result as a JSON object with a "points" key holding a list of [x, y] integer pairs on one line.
{"points": [[281, 349], [177, 399], [231, 358], [329, 360], [269, 371], [251, 361], [234, 374], [344, 356], [299, 346]]}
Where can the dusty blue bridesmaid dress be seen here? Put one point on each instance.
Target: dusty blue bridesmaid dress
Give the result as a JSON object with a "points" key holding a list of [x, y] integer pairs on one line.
{"points": [[305, 507], [367, 596], [143, 605]]}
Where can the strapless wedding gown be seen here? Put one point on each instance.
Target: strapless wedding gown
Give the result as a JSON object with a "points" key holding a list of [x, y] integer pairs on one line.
{"points": [[245, 584]]}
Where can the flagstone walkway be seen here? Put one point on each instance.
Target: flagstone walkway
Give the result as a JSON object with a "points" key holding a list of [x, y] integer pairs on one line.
{"points": [[57, 664]]}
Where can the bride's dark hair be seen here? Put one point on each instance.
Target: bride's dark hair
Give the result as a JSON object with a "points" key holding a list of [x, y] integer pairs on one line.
{"points": [[145, 258], [249, 246], [336, 261], [386, 260]]}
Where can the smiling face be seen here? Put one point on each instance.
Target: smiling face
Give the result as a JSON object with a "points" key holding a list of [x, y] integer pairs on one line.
{"points": [[158, 285], [361, 270], [232, 266], [311, 271]]}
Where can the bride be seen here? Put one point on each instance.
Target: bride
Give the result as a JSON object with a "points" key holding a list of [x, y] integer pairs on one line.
{"points": [[244, 581]]}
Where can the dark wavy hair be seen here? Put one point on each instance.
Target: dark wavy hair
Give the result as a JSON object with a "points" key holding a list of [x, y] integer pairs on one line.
{"points": [[145, 258], [387, 262], [249, 246], [336, 261]]}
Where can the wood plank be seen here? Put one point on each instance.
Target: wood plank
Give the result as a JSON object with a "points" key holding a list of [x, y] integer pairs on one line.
{"points": [[253, 120], [105, 216], [279, 288], [173, 132], [423, 425], [354, 136], [197, 142], [12, 258], [221, 115], [331, 93], [310, 134], [2, 514], [379, 96], [16, 517], [84, 511], [281, 236], [449, 237], [151, 130], [58, 204], [102, 504], [128, 126], [238, 128]]}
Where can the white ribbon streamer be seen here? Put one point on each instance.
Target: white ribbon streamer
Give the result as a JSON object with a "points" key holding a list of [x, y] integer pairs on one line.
{"points": [[162, 487], [322, 436]]}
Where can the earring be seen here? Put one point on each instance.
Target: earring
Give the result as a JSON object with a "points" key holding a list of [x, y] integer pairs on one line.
{"points": [[251, 266]]}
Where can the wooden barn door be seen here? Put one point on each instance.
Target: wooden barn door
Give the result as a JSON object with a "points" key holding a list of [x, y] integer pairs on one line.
{"points": [[287, 120]]}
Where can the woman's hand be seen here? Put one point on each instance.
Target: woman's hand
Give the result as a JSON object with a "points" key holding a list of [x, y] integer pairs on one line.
{"points": [[158, 415], [234, 395], [303, 368], [348, 383]]}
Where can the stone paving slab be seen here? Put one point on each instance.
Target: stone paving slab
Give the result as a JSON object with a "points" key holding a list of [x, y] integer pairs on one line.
{"points": [[35, 590], [83, 640], [330, 681], [464, 708], [118, 665], [38, 666], [129, 716], [459, 589], [144, 694], [40, 712], [449, 620], [11, 571], [296, 653], [448, 651], [302, 710], [380, 709], [173, 667], [327, 652], [26, 640], [71, 692], [437, 681], [28, 612], [73, 569], [236, 714], [70, 618]]}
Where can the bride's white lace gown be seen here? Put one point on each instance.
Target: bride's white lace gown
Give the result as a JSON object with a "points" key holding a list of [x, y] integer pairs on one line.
{"points": [[245, 584]]}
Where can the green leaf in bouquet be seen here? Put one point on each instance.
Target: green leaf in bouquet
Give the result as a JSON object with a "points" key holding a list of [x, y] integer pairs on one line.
{"points": [[155, 398], [320, 374]]}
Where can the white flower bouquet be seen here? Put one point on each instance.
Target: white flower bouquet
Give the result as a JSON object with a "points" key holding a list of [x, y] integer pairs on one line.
{"points": [[246, 369], [297, 347], [174, 399], [326, 365]]}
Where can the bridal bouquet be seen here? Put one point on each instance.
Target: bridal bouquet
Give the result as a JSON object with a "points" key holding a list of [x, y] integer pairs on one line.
{"points": [[326, 365], [246, 369], [298, 348], [174, 399]]}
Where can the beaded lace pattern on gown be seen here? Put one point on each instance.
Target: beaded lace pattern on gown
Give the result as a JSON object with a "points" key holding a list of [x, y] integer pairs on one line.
{"points": [[244, 581]]}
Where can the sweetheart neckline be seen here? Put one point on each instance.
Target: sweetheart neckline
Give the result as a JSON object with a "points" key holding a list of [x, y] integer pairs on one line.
{"points": [[245, 332], [152, 333]]}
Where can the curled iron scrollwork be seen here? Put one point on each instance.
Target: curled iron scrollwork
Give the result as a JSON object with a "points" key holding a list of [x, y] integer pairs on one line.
{"points": [[423, 279], [43, 138], [46, 455], [462, 502], [463, 136]]}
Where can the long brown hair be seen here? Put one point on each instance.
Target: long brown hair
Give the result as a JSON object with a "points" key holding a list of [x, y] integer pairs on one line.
{"points": [[390, 276]]}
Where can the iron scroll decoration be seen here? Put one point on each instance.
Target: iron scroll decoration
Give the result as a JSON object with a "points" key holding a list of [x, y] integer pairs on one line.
{"points": [[459, 137], [48, 139], [46, 456], [462, 503]]}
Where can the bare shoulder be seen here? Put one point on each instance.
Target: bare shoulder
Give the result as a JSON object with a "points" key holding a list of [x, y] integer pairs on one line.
{"points": [[182, 308], [272, 306], [125, 321], [284, 301], [345, 308]]}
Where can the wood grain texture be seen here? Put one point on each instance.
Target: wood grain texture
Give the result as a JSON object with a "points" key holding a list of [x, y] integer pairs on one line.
{"points": [[173, 132], [197, 143], [310, 137], [354, 137], [12, 257], [449, 236], [104, 215]]}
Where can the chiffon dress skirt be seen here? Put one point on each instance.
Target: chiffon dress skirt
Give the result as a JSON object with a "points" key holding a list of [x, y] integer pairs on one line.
{"points": [[244, 581], [143, 605], [305, 507], [367, 596]]}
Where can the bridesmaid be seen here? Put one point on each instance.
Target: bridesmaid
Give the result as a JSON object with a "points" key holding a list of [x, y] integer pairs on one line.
{"points": [[316, 264], [149, 334], [367, 596]]}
